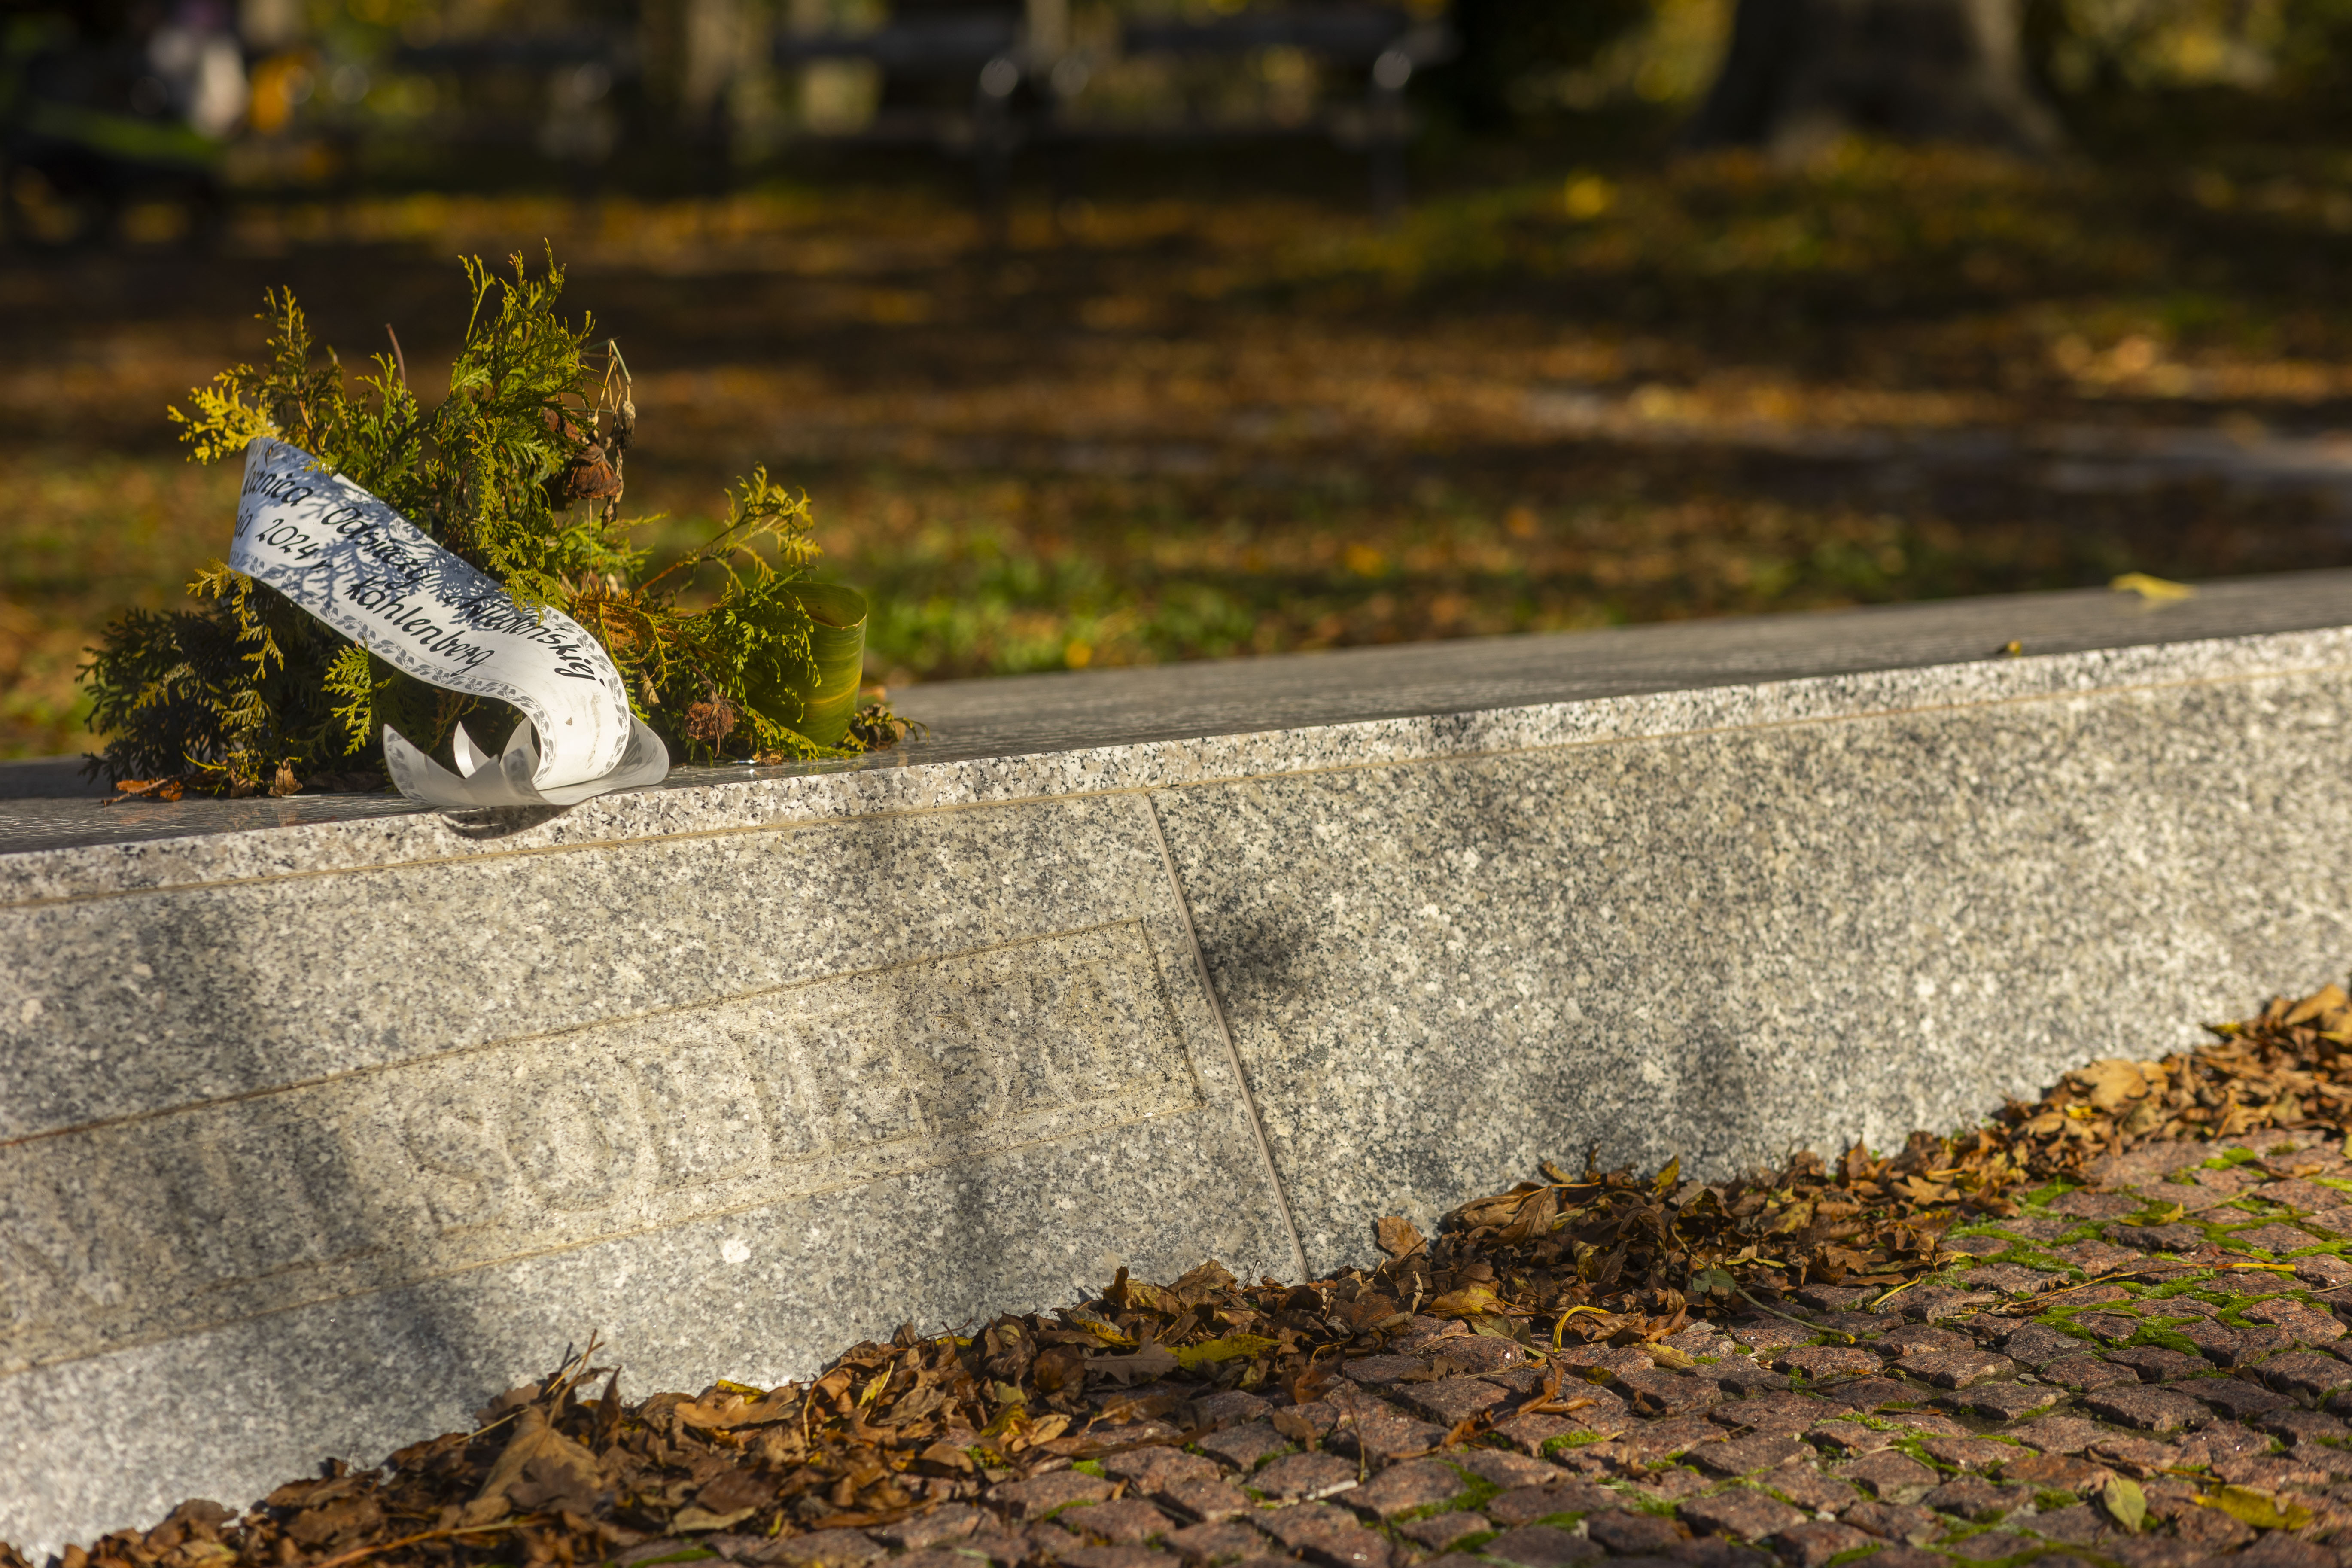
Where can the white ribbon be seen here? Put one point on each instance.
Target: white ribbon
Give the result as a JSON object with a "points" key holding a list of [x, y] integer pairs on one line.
{"points": [[349, 558]]}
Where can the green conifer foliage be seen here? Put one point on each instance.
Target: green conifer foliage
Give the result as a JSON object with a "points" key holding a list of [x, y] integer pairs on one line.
{"points": [[517, 469]]}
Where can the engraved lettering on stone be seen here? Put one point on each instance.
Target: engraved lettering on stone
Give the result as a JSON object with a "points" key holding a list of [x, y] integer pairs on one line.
{"points": [[704, 1111], [458, 1155], [571, 1128], [123, 1234]]}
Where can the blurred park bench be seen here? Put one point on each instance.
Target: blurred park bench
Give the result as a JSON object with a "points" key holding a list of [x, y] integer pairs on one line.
{"points": [[987, 81]]}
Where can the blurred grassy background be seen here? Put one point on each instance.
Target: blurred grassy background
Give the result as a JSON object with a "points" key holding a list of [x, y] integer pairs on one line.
{"points": [[1203, 404]]}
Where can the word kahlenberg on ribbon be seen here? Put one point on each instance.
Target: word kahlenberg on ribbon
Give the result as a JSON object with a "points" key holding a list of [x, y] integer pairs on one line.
{"points": [[348, 558]]}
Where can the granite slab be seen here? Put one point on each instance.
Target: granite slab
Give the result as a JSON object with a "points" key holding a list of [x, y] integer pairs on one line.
{"points": [[1723, 945], [728, 1104], [1225, 961]]}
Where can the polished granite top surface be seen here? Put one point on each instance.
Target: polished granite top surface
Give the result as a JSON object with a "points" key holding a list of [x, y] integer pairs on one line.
{"points": [[48, 805]]}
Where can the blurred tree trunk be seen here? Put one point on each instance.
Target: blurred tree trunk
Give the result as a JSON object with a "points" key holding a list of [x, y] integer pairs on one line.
{"points": [[1801, 73]]}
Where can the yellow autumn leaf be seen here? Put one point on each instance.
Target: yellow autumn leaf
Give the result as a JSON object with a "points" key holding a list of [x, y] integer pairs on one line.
{"points": [[2125, 1502], [1233, 1347], [1470, 1301], [2259, 1509], [2156, 590]]}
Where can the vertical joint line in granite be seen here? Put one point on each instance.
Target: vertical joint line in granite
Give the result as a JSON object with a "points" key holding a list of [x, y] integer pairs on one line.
{"points": [[1224, 1032]]}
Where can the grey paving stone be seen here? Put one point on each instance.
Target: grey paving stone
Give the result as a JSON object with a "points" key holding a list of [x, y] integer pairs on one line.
{"points": [[1376, 1432], [1629, 1535], [2323, 1269], [2298, 1425], [1674, 1434], [2083, 1373], [2147, 1410], [2004, 1401], [1596, 1362], [1956, 1368], [1541, 1546], [2009, 1278], [1739, 1376], [1115, 1557], [1991, 1546], [1779, 1411], [1416, 1483], [1303, 1476], [2175, 1237], [1380, 1371], [2079, 1524], [1741, 1511], [2279, 1550], [1449, 1401], [1848, 1438], [1934, 1303], [1125, 1521], [1868, 1394], [2088, 1203], [2305, 1372], [1041, 1495], [1745, 1455], [1805, 1486], [995, 1544], [2235, 1397], [2306, 1323], [1216, 1543], [1766, 1334], [1245, 1446], [1821, 1362], [1504, 1469], [1227, 1406], [1812, 1543], [1662, 1393], [2275, 1238], [951, 1521], [1438, 1532], [1905, 1523], [1529, 1434], [2037, 1345], [1149, 1469], [1889, 1477], [1972, 1453], [1327, 1535], [1977, 1499], [1525, 1505], [827, 1549], [2054, 1472], [1209, 1501], [1475, 1354], [2156, 1363]]}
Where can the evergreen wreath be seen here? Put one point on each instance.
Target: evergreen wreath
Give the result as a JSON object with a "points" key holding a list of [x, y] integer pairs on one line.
{"points": [[520, 471]]}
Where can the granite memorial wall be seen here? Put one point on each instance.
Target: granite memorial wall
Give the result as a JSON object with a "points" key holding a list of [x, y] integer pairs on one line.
{"points": [[734, 1072]]}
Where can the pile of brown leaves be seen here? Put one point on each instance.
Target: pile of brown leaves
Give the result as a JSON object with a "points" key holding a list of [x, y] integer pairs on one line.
{"points": [[550, 1476], [1596, 1245]]}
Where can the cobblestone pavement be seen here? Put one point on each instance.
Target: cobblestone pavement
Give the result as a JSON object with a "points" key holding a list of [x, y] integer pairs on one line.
{"points": [[2153, 1369]]}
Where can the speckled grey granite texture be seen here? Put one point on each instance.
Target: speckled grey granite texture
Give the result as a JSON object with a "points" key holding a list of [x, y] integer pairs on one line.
{"points": [[735, 1071], [728, 1103], [1725, 944]]}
